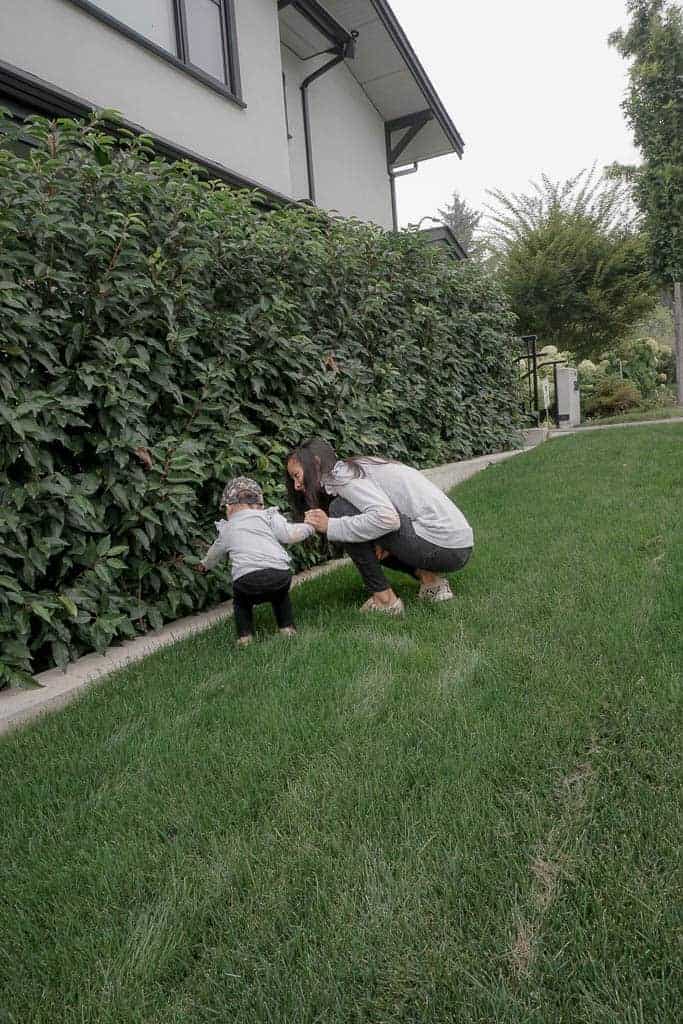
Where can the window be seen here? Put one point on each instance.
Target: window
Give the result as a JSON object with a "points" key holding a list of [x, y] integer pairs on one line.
{"points": [[205, 44], [153, 19], [200, 34]]}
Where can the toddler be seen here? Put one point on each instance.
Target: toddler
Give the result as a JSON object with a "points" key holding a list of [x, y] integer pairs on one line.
{"points": [[260, 567]]}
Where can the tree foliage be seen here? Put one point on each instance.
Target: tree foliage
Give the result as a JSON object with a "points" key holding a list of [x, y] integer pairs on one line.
{"points": [[653, 43], [572, 261], [160, 333], [462, 220]]}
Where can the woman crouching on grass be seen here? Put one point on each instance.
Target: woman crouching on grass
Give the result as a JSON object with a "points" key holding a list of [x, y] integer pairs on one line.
{"points": [[385, 514]]}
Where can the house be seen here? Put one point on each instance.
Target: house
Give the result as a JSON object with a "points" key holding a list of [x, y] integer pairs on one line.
{"points": [[303, 99]]}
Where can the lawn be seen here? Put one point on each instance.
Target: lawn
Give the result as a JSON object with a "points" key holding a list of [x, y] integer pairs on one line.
{"points": [[470, 815], [664, 412]]}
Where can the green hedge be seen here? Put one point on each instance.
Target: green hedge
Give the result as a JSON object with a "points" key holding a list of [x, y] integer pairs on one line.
{"points": [[160, 332]]}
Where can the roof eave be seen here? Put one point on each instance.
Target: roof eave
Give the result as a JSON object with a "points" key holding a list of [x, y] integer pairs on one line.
{"points": [[445, 234], [400, 41], [321, 18]]}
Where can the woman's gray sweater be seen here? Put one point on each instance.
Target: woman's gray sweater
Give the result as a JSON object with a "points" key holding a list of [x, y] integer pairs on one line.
{"points": [[387, 490]]}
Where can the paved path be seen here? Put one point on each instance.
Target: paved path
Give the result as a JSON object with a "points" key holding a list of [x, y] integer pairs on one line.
{"points": [[57, 688], [454, 473], [614, 426]]}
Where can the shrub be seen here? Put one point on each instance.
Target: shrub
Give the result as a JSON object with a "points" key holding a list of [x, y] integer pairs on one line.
{"points": [[613, 396], [638, 359], [161, 332], [593, 377]]}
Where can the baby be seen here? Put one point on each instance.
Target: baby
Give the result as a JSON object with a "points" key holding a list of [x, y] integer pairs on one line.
{"points": [[260, 567]]}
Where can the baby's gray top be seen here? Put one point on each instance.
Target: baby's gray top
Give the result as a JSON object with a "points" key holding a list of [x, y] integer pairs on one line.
{"points": [[253, 539]]}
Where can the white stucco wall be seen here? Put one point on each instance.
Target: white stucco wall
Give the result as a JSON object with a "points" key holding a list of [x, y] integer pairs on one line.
{"points": [[348, 144], [64, 45]]}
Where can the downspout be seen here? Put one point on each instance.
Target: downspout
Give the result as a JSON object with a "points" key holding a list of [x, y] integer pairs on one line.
{"points": [[393, 175], [345, 50], [394, 202]]}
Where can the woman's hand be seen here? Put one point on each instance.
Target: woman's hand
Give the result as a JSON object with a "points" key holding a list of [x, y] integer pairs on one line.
{"points": [[318, 519]]}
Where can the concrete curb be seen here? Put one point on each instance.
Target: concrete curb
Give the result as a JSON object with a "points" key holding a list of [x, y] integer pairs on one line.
{"points": [[454, 473], [58, 688], [615, 426]]}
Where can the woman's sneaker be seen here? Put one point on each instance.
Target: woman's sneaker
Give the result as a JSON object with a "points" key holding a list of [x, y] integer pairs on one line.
{"points": [[395, 608], [440, 591]]}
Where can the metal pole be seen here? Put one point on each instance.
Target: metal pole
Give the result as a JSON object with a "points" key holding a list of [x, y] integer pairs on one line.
{"points": [[678, 334], [532, 364], [535, 357]]}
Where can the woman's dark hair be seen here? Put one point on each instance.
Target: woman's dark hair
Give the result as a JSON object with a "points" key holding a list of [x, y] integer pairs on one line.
{"points": [[317, 458]]}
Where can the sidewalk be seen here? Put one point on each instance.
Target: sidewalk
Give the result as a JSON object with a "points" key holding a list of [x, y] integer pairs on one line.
{"points": [[57, 688], [614, 426]]}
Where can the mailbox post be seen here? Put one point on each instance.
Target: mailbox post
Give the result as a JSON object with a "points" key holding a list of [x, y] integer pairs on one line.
{"points": [[568, 397]]}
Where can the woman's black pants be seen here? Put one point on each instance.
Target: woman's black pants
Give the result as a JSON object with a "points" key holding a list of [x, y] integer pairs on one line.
{"points": [[407, 551]]}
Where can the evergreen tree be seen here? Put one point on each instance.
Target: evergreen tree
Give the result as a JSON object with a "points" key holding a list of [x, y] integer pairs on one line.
{"points": [[462, 220]]}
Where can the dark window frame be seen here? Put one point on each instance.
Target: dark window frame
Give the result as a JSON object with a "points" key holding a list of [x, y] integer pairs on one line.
{"points": [[290, 136], [232, 90]]}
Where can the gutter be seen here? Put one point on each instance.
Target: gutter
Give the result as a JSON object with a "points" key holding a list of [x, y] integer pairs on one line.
{"points": [[320, 18]]}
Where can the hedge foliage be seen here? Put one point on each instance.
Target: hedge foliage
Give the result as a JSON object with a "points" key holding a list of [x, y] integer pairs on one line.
{"points": [[160, 332]]}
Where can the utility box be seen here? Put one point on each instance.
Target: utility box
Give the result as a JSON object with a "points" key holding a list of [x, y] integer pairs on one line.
{"points": [[568, 397]]}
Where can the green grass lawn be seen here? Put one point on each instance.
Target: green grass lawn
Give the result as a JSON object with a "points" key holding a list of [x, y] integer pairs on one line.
{"points": [[470, 815], [665, 412]]}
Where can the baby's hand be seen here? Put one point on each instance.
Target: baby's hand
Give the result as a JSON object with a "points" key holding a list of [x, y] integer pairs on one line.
{"points": [[318, 519]]}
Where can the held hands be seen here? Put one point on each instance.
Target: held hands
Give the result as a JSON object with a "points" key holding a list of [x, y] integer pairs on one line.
{"points": [[317, 519], [201, 568]]}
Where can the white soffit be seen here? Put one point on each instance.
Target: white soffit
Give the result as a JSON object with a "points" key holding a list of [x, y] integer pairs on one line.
{"points": [[390, 74], [429, 142], [300, 36]]}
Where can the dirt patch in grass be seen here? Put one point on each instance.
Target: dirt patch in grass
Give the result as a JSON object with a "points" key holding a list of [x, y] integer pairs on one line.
{"points": [[548, 866], [522, 953]]}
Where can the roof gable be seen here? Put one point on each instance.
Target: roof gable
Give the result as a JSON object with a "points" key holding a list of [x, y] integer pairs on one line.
{"points": [[385, 66]]}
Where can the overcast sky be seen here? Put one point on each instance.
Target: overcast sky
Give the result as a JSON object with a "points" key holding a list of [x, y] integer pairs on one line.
{"points": [[531, 85]]}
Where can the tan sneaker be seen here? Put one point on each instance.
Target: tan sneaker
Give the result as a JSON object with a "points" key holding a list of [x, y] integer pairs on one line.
{"points": [[395, 608], [440, 591]]}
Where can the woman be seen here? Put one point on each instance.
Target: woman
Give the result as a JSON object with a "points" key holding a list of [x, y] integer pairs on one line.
{"points": [[385, 514]]}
